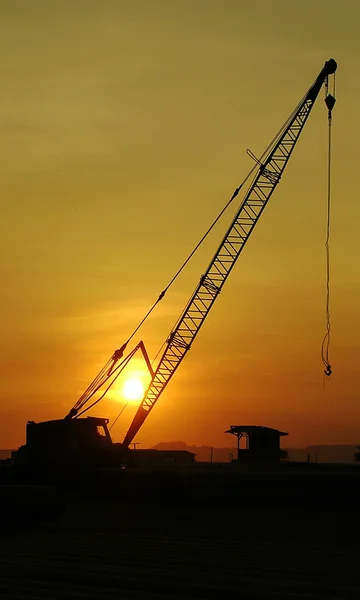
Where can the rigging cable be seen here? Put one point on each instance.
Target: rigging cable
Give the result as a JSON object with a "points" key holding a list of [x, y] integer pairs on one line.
{"points": [[119, 415], [108, 368], [330, 102], [113, 373], [210, 228]]}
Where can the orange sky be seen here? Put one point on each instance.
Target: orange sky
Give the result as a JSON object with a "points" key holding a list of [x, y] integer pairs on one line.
{"points": [[124, 131]]}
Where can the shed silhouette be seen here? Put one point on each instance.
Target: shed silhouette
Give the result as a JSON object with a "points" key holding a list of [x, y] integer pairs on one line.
{"points": [[262, 444]]}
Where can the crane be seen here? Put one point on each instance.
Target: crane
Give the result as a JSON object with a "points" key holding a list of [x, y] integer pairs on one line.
{"points": [[270, 169], [266, 175]]}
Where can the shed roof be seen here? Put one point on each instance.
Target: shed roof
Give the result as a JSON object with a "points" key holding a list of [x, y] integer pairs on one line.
{"points": [[253, 429]]}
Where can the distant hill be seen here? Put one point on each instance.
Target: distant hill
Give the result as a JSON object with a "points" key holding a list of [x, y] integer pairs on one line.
{"points": [[326, 454]]}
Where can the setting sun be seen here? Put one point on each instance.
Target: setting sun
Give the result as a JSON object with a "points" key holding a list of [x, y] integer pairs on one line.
{"points": [[133, 389]]}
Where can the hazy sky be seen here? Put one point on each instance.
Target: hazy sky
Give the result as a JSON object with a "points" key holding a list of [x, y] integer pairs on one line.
{"points": [[124, 130]]}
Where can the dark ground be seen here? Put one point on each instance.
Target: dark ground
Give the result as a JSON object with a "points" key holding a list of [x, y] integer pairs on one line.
{"points": [[197, 533]]}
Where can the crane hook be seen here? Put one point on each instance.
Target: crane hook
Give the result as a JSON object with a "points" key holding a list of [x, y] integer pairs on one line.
{"points": [[328, 370]]}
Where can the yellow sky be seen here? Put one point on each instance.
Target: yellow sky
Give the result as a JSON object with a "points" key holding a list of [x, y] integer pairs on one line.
{"points": [[124, 128]]}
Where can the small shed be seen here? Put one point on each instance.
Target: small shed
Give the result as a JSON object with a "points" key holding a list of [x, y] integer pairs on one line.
{"points": [[256, 443]]}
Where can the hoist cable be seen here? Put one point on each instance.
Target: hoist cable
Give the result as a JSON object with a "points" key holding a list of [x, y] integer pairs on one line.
{"points": [[326, 341]]}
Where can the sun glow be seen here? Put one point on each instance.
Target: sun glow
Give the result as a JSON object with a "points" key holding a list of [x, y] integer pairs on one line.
{"points": [[133, 389]]}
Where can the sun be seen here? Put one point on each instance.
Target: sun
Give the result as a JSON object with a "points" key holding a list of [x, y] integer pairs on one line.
{"points": [[133, 389]]}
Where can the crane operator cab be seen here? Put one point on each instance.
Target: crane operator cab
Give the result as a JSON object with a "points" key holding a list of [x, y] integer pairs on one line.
{"points": [[79, 442]]}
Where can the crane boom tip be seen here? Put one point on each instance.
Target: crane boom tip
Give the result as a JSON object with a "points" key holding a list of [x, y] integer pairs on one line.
{"points": [[330, 66]]}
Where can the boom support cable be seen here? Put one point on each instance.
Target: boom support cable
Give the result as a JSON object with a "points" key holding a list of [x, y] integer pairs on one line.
{"points": [[258, 162], [119, 415], [330, 102], [268, 168]]}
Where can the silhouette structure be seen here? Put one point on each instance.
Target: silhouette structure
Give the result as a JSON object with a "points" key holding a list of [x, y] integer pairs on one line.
{"points": [[266, 175], [262, 443]]}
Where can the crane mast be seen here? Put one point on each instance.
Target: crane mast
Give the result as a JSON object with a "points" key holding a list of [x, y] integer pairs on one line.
{"points": [[271, 167]]}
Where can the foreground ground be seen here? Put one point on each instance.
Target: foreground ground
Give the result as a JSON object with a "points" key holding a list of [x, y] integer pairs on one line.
{"points": [[195, 535]]}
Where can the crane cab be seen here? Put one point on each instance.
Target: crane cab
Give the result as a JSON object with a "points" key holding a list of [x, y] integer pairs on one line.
{"points": [[65, 443]]}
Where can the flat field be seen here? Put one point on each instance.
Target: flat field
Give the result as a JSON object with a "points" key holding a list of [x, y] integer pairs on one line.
{"points": [[190, 533]]}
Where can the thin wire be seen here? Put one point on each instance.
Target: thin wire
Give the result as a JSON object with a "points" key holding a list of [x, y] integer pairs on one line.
{"points": [[208, 231], [326, 341], [119, 415], [258, 162], [190, 256], [101, 378], [158, 352], [93, 385], [116, 372]]}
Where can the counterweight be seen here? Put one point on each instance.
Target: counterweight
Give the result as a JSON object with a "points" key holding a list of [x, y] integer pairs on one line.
{"points": [[271, 168]]}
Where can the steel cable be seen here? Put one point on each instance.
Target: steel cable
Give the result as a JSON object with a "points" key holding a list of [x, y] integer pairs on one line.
{"points": [[326, 341]]}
